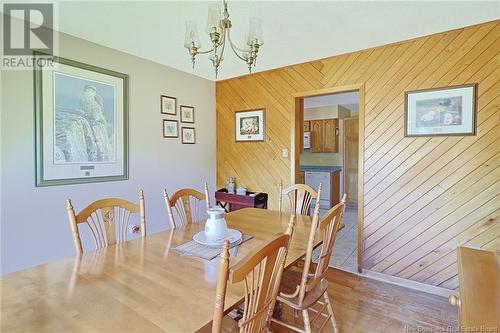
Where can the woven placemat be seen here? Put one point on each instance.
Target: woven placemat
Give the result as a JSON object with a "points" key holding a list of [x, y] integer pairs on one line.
{"points": [[193, 249]]}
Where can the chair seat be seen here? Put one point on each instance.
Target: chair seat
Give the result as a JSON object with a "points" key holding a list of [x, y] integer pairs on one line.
{"points": [[290, 281]]}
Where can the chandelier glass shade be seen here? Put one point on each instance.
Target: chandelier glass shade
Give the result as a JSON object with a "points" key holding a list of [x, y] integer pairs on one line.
{"points": [[218, 28]]}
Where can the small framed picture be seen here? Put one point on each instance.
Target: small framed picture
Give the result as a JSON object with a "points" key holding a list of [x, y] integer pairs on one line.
{"points": [[188, 135], [250, 125], [170, 128], [187, 114], [443, 111], [168, 105]]}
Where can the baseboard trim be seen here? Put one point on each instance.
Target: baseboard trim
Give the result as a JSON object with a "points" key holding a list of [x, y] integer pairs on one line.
{"points": [[408, 283]]}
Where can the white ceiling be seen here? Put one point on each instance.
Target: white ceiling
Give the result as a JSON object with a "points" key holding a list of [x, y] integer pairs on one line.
{"points": [[294, 31]]}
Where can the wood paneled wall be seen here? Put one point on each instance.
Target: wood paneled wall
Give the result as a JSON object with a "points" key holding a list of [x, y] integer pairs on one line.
{"points": [[422, 196]]}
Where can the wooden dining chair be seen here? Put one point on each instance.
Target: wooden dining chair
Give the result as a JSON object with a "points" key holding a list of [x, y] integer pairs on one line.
{"points": [[261, 273], [108, 220], [310, 286], [300, 196], [186, 203]]}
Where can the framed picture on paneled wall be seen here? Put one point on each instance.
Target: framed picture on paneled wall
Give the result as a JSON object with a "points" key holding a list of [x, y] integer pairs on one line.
{"points": [[250, 125], [443, 111], [81, 123]]}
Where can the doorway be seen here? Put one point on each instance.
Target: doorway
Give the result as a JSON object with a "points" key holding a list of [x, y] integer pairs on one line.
{"points": [[316, 113]]}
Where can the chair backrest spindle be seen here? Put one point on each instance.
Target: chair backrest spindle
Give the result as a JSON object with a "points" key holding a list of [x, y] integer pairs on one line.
{"points": [[207, 196], [220, 292]]}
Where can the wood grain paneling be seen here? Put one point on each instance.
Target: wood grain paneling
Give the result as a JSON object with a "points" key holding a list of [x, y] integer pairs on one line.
{"points": [[422, 197]]}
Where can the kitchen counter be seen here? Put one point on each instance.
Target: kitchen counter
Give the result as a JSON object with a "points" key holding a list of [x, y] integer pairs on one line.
{"points": [[320, 168]]}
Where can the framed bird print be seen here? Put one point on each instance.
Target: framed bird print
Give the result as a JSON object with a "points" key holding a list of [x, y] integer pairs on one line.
{"points": [[81, 115]]}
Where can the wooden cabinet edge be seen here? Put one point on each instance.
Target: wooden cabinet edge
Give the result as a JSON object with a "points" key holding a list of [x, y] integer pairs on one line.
{"points": [[302, 177], [335, 187]]}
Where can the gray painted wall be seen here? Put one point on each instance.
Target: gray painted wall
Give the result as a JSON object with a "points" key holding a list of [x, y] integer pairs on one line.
{"points": [[34, 223]]}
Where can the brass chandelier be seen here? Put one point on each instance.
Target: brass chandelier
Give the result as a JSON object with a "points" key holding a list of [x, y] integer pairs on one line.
{"points": [[219, 29]]}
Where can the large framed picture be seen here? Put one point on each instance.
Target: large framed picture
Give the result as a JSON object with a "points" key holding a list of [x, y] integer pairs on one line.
{"points": [[441, 111], [250, 125], [81, 115]]}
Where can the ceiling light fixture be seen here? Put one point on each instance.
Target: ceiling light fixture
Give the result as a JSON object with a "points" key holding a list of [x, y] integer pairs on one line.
{"points": [[218, 28]]}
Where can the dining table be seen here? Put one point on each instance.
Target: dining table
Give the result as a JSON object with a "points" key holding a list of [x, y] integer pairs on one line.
{"points": [[142, 285]]}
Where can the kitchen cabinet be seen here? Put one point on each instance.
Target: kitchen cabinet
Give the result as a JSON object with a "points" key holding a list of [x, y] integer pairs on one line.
{"points": [[316, 136], [307, 125], [324, 136], [330, 136]]}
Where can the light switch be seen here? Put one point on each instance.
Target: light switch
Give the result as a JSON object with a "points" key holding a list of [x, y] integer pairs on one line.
{"points": [[285, 152]]}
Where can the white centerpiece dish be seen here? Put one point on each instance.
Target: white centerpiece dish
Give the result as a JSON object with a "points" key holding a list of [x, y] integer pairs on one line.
{"points": [[216, 231], [233, 236]]}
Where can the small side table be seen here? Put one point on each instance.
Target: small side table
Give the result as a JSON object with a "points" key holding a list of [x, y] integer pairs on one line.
{"points": [[231, 202]]}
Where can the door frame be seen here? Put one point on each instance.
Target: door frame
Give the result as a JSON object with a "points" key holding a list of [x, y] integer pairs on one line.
{"points": [[297, 137]]}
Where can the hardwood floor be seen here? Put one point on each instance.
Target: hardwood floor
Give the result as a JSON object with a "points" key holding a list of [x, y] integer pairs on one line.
{"points": [[364, 305]]}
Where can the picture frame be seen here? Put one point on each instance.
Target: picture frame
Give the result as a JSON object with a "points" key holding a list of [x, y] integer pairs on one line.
{"points": [[170, 128], [444, 111], [168, 105], [81, 123], [250, 125], [187, 114], [188, 135]]}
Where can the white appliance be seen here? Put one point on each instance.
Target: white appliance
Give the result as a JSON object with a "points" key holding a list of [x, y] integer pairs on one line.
{"points": [[307, 140], [313, 179]]}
